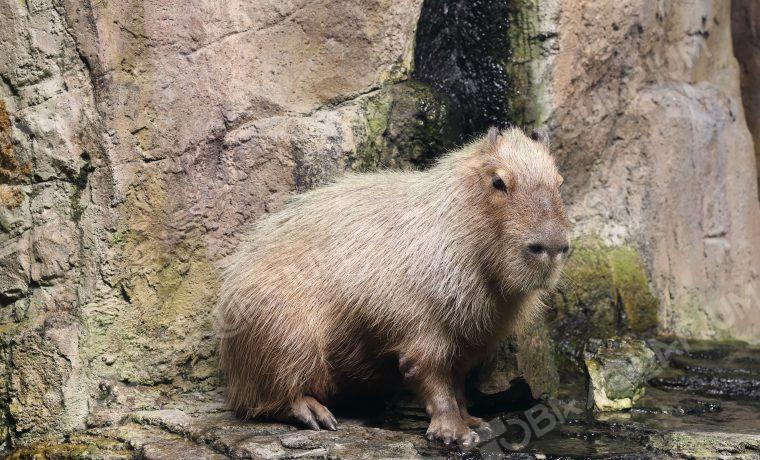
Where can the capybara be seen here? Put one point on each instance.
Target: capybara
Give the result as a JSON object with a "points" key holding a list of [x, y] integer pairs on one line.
{"points": [[425, 270]]}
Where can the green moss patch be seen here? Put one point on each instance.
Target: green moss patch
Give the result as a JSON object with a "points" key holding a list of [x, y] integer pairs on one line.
{"points": [[632, 288], [605, 293], [608, 286], [406, 125]]}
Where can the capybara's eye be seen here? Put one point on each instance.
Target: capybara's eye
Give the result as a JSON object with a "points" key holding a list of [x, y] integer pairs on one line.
{"points": [[498, 183]]}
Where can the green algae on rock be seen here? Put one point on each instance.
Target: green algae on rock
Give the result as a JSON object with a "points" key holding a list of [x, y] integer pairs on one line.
{"points": [[605, 293], [639, 306], [405, 125], [588, 294]]}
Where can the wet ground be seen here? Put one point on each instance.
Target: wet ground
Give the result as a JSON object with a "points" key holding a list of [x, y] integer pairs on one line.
{"points": [[703, 405]]}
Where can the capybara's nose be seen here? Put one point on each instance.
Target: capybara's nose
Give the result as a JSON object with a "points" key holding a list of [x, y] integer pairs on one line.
{"points": [[551, 247]]}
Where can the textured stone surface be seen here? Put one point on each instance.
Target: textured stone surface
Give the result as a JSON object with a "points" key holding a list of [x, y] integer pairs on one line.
{"points": [[745, 28], [669, 423], [618, 369], [707, 445], [48, 131], [646, 111], [137, 140], [215, 434]]}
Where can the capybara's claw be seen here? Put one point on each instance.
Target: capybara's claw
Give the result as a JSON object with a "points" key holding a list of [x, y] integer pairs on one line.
{"points": [[312, 414], [477, 423], [469, 440]]}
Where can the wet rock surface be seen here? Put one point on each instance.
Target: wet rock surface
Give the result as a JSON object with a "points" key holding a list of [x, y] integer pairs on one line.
{"points": [[618, 370], [677, 422], [461, 49], [672, 422], [721, 372]]}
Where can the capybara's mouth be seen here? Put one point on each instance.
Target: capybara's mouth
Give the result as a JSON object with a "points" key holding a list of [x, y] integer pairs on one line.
{"points": [[546, 276], [553, 279]]}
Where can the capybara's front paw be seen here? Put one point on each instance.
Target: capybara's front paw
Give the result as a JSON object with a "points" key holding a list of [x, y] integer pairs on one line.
{"points": [[449, 429]]}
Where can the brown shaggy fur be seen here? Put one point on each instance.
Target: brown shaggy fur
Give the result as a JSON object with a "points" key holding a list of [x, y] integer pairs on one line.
{"points": [[427, 270]]}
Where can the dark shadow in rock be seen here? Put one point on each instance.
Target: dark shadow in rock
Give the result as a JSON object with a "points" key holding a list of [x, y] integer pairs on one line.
{"points": [[517, 398], [401, 411]]}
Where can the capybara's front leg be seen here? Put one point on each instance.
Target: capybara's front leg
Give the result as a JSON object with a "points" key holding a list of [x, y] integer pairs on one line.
{"points": [[446, 422], [436, 389], [473, 422]]}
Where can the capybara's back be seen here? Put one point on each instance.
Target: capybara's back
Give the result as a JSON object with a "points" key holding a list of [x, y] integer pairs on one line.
{"points": [[421, 269]]}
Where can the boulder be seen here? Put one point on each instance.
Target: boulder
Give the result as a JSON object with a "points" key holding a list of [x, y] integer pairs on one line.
{"points": [[618, 369]]}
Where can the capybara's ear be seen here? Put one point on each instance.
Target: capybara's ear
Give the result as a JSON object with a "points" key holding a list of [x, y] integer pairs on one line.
{"points": [[540, 135], [494, 137]]}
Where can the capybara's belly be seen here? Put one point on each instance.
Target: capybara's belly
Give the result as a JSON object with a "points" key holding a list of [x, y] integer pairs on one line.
{"points": [[367, 385], [363, 368]]}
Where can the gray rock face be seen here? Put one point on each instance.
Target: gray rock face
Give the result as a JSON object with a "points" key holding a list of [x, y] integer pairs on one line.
{"points": [[745, 29], [646, 110], [137, 140]]}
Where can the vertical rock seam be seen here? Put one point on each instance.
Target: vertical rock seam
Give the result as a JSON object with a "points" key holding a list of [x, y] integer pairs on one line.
{"points": [[462, 51]]}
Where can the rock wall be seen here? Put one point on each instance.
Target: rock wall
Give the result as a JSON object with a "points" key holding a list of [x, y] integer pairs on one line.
{"points": [[645, 105], [138, 138], [745, 26], [50, 133]]}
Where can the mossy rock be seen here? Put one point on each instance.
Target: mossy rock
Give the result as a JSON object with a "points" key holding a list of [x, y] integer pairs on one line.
{"points": [[639, 305], [605, 293], [618, 370], [406, 125]]}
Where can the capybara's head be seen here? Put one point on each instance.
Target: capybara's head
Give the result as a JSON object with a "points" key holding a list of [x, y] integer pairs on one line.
{"points": [[527, 223]]}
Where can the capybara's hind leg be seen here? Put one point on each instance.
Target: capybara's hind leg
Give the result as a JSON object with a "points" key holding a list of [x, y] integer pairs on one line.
{"points": [[313, 414]]}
